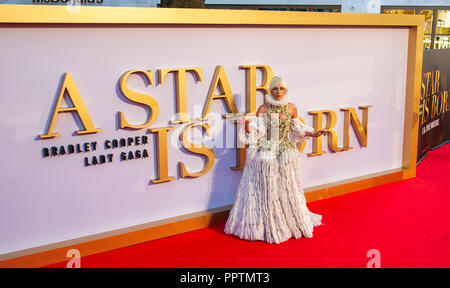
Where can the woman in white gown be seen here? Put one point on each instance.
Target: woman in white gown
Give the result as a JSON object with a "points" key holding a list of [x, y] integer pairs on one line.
{"points": [[270, 204]]}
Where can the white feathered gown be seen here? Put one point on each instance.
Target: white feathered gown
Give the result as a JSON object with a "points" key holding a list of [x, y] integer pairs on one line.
{"points": [[270, 204]]}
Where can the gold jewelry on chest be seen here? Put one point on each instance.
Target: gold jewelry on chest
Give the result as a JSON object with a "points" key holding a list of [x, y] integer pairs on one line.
{"points": [[280, 109]]}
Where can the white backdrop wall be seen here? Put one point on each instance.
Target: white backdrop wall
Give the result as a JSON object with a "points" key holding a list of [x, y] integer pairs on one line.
{"points": [[47, 200]]}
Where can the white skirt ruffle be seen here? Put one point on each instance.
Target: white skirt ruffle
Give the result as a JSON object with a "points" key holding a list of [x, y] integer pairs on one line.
{"points": [[270, 204]]}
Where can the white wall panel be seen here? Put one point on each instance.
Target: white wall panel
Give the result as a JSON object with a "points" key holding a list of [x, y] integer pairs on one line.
{"points": [[47, 200]]}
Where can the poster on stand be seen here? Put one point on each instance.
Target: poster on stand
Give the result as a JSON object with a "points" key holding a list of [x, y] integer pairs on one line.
{"points": [[434, 124]]}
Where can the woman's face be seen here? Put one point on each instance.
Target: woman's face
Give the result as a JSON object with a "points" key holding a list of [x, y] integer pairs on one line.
{"points": [[278, 92]]}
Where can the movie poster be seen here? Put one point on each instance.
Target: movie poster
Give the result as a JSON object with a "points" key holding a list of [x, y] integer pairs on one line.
{"points": [[434, 121]]}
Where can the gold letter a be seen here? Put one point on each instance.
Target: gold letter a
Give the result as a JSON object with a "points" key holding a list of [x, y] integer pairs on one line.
{"points": [[69, 88]]}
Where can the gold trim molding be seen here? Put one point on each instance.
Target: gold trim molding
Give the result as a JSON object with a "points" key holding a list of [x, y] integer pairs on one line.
{"points": [[132, 15]]}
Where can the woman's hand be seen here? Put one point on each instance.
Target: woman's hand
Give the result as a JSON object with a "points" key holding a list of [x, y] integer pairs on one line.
{"points": [[245, 122], [320, 133], [317, 133], [247, 128]]}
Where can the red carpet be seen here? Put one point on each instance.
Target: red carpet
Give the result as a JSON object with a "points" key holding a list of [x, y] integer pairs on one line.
{"points": [[407, 222]]}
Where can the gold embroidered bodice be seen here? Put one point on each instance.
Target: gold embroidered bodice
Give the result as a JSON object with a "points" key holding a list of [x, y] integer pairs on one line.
{"points": [[276, 138]]}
